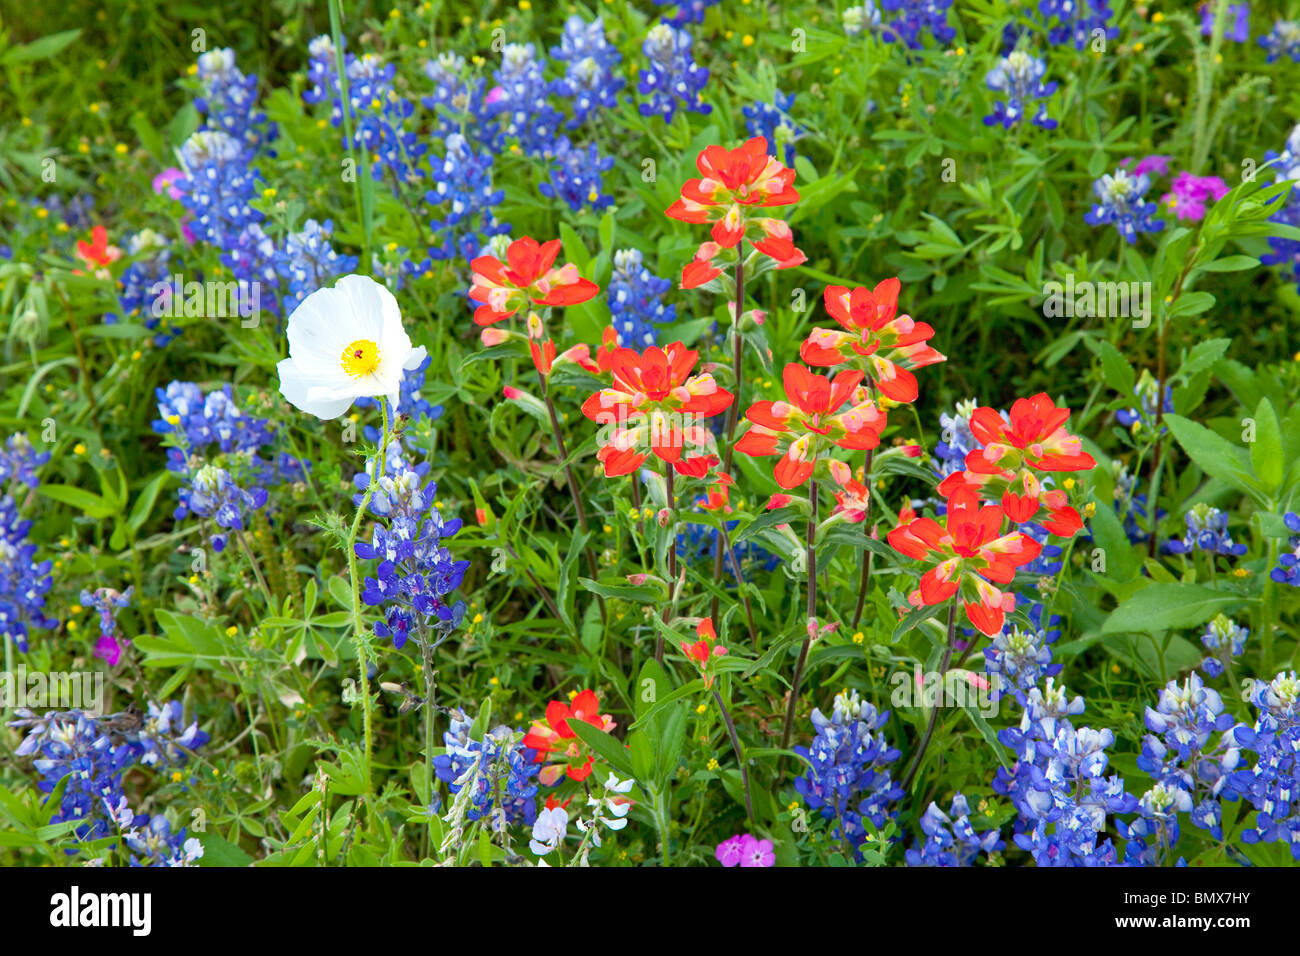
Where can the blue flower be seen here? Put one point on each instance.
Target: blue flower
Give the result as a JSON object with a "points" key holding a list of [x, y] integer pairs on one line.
{"points": [[1227, 639], [217, 449], [950, 840], [915, 17], [461, 103], [146, 282], [1077, 21], [1020, 77], [229, 100], [522, 100], [1058, 783], [24, 581], [859, 19], [576, 174], [1282, 40], [462, 189], [214, 494], [416, 573], [308, 262], [672, 78], [589, 65], [772, 121], [378, 112], [1288, 565], [1142, 420], [636, 301], [94, 752], [1121, 205], [687, 11], [1238, 25], [1286, 252], [1019, 658], [1207, 530], [848, 780], [1272, 785], [218, 187], [499, 769], [152, 842]]}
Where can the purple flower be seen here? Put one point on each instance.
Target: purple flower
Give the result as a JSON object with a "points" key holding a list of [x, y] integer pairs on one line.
{"points": [[1189, 194], [1238, 27], [1148, 164], [728, 851], [756, 852]]}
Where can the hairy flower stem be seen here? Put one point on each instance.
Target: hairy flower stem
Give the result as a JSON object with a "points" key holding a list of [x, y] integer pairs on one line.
{"points": [[934, 711], [671, 497], [360, 182], [1153, 490], [733, 414], [866, 554], [257, 571], [744, 598], [740, 757], [636, 503], [430, 714], [359, 637], [812, 616], [572, 480]]}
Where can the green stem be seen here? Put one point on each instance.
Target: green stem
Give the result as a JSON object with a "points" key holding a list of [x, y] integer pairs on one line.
{"points": [[934, 711], [811, 557], [359, 637], [661, 826], [740, 756]]}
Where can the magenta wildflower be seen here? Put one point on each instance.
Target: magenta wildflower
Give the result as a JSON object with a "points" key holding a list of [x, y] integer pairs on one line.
{"points": [[745, 850], [728, 851], [757, 852], [1150, 164], [1189, 194]]}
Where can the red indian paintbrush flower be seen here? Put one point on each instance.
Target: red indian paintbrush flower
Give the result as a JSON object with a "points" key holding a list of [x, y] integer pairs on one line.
{"points": [[655, 406], [526, 276], [876, 339], [97, 252], [556, 737], [705, 649], [734, 184], [973, 556], [1032, 439], [797, 428]]}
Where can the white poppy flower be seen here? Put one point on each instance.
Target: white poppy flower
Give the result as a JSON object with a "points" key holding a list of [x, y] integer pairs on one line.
{"points": [[346, 343]]}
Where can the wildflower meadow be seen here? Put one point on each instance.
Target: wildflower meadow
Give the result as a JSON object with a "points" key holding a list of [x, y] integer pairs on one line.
{"points": [[630, 433]]}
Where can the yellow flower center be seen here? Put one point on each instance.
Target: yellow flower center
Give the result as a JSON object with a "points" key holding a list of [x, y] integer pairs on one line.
{"points": [[360, 358]]}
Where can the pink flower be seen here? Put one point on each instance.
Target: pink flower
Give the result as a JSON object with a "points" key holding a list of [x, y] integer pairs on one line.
{"points": [[744, 850], [1189, 194], [108, 649], [757, 852], [165, 181], [728, 851], [1150, 164]]}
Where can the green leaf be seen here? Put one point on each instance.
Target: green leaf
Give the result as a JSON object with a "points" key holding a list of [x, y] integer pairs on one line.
{"points": [[41, 49], [1231, 264], [605, 747], [639, 594], [1160, 607], [1118, 372], [1215, 455], [1266, 456], [219, 852], [88, 502]]}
